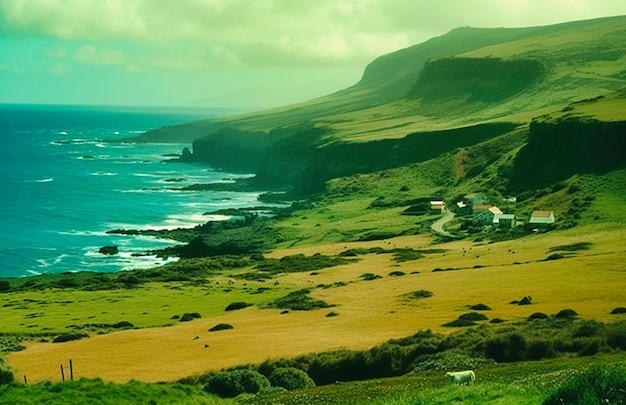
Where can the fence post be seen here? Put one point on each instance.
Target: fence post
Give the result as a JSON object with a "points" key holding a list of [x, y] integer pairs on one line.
{"points": [[25, 380], [71, 371], [62, 373]]}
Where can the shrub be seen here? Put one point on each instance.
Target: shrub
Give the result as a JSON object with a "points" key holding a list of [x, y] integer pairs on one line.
{"points": [[506, 349], [123, 324], [237, 305], [4, 286], [480, 307], [66, 337], [298, 301], [290, 378], [537, 315], [540, 349], [419, 294], [618, 311], [221, 326], [370, 276], [397, 273], [598, 385], [566, 314], [6, 375], [229, 384], [189, 317]]}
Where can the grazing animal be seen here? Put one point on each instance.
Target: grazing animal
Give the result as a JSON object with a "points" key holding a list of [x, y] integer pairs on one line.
{"points": [[462, 377]]}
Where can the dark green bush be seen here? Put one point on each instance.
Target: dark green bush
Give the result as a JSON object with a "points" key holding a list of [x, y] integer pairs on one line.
{"points": [[237, 305], [298, 301], [566, 314], [4, 285], [6, 375], [66, 337], [419, 294], [598, 385], [229, 384], [480, 307], [370, 276], [290, 378], [505, 349], [221, 326], [189, 317], [537, 315]]}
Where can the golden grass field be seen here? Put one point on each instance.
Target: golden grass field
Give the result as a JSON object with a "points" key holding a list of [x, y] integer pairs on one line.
{"points": [[592, 282]]}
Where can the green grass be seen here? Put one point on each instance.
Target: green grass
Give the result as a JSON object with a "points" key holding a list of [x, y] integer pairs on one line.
{"points": [[96, 392], [501, 384], [55, 311]]}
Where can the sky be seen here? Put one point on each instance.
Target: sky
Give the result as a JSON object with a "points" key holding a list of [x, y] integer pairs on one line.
{"points": [[244, 54]]}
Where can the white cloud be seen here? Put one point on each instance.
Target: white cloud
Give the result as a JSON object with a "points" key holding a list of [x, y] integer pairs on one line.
{"points": [[266, 32]]}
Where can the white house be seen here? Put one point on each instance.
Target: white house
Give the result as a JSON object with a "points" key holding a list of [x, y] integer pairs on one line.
{"points": [[542, 218]]}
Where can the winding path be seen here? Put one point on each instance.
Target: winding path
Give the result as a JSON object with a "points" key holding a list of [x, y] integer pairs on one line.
{"points": [[437, 226]]}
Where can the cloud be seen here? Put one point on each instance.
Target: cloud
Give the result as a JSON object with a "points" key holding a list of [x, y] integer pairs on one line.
{"points": [[140, 34]]}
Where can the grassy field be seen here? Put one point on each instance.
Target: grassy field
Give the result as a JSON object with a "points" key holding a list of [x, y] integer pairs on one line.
{"points": [[591, 282]]}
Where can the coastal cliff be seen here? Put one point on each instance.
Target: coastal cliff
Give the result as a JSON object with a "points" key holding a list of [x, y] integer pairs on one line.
{"points": [[558, 148]]}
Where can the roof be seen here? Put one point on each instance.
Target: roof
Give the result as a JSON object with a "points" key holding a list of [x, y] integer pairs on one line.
{"points": [[542, 217], [541, 214], [481, 207], [498, 217], [495, 210], [437, 203]]}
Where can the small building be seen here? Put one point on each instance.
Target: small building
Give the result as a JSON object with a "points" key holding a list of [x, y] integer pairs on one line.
{"points": [[437, 207], [542, 218], [484, 214], [504, 221]]}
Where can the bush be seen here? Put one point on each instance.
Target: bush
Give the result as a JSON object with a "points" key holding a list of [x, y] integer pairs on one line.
{"points": [[598, 385], [566, 314], [480, 307], [506, 348], [618, 311], [290, 378], [419, 294], [370, 276], [221, 326], [4, 285], [298, 301], [66, 337], [189, 317], [6, 375], [229, 384], [237, 305], [537, 315]]}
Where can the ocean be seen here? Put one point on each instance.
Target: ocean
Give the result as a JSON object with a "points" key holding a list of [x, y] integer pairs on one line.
{"points": [[62, 186]]}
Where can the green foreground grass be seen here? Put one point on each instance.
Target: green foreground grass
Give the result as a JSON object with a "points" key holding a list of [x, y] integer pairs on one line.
{"points": [[502, 384]]}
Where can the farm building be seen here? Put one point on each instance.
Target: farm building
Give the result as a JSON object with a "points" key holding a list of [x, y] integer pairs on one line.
{"points": [[542, 218], [504, 221], [484, 214], [437, 207]]}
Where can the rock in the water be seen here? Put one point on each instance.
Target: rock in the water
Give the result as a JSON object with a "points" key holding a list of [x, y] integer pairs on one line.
{"points": [[109, 250]]}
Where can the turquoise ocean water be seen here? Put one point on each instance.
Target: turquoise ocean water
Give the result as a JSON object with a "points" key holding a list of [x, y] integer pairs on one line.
{"points": [[62, 186]]}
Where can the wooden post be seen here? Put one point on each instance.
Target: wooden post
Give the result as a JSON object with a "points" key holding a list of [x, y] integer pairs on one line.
{"points": [[62, 373], [25, 380], [71, 371]]}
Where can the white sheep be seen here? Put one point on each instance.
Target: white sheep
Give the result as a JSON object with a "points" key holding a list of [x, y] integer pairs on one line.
{"points": [[462, 377]]}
